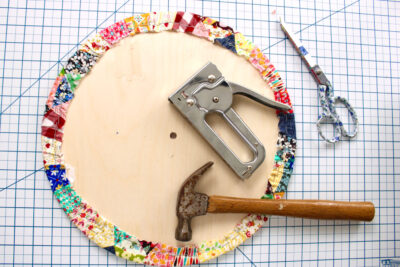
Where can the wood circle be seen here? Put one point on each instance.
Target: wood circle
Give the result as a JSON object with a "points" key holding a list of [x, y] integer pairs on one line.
{"points": [[131, 149]]}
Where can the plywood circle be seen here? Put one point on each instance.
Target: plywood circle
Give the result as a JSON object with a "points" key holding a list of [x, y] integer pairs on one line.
{"points": [[131, 149]]}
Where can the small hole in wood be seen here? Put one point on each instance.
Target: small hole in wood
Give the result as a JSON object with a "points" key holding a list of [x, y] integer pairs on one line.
{"points": [[172, 135]]}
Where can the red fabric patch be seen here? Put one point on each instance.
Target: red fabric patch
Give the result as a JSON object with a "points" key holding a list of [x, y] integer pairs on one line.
{"points": [[115, 32], [53, 125], [186, 22]]}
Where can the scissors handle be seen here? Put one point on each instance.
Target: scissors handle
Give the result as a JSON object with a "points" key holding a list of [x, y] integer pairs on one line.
{"points": [[329, 114], [353, 116], [338, 130]]}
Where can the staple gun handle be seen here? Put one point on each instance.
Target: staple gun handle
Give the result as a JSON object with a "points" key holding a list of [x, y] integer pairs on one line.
{"points": [[241, 90], [242, 169]]}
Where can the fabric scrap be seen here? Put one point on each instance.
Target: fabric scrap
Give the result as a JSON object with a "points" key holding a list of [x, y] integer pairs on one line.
{"points": [[84, 218], [161, 21], [227, 42], [287, 149], [269, 73], [52, 159], [186, 256], [287, 124], [51, 146], [63, 93], [217, 24], [110, 249], [283, 97], [67, 197], [162, 255], [278, 195], [128, 247], [60, 105], [246, 228], [81, 62], [52, 125], [103, 233], [95, 45], [114, 33], [50, 99], [243, 46], [62, 109], [73, 79], [275, 176], [147, 245], [258, 59], [56, 176], [214, 31], [138, 23], [186, 22]]}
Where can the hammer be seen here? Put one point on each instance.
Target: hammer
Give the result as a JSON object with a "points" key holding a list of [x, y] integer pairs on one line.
{"points": [[191, 204]]}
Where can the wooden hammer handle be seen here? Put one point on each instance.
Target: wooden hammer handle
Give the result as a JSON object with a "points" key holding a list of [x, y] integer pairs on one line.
{"points": [[312, 209]]}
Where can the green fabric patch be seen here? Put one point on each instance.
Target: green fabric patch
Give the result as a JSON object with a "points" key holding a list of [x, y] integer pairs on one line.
{"points": [[129, 256], [73, 80], [268, 196], [120, 235], [128, 247], [67, 197]]}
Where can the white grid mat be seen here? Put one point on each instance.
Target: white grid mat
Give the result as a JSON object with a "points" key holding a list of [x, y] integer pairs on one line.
{"points": [[356, 42]]}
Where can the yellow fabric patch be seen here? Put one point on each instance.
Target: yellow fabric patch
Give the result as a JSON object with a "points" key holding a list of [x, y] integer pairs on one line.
{"points": [[243, 45], [138, 23], [102, 233], [246, 228], [209, 21], [276, 176]]}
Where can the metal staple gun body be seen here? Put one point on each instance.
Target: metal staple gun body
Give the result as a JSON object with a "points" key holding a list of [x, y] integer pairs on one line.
{"points": [[207, 91]]}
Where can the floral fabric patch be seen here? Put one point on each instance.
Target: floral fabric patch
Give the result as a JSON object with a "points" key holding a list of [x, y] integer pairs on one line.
{"points": [[115, 32], [81, 62], [56, 176]]}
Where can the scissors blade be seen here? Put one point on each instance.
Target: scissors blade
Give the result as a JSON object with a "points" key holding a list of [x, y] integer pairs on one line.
{"points": [[314, 68]]}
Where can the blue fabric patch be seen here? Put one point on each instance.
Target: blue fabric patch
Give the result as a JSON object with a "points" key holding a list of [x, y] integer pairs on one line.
{"points": [[303, 51], [63, 93], [287, 124], [110, 249], [227, 42], [287, 172], [57, 176]]}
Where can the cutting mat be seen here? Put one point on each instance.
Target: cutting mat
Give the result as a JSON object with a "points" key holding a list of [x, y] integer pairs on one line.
{"points": [[356, 42]]}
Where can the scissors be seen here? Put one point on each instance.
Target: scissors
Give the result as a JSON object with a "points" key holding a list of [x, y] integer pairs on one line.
{"points": [[327, 100]]}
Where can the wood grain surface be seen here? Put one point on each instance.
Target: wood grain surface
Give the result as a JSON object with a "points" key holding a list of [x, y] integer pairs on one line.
{"points": [[309, 208], [118, 136]]}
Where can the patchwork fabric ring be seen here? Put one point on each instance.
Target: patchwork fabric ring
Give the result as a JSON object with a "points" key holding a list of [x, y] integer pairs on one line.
{"points": [[86, 218]]}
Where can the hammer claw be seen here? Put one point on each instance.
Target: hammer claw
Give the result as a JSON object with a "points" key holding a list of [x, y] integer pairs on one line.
{"points": [[190, 204], [200, 171]]}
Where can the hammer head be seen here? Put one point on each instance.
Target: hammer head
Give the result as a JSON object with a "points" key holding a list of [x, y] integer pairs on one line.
{"points": [[190, 204]]}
